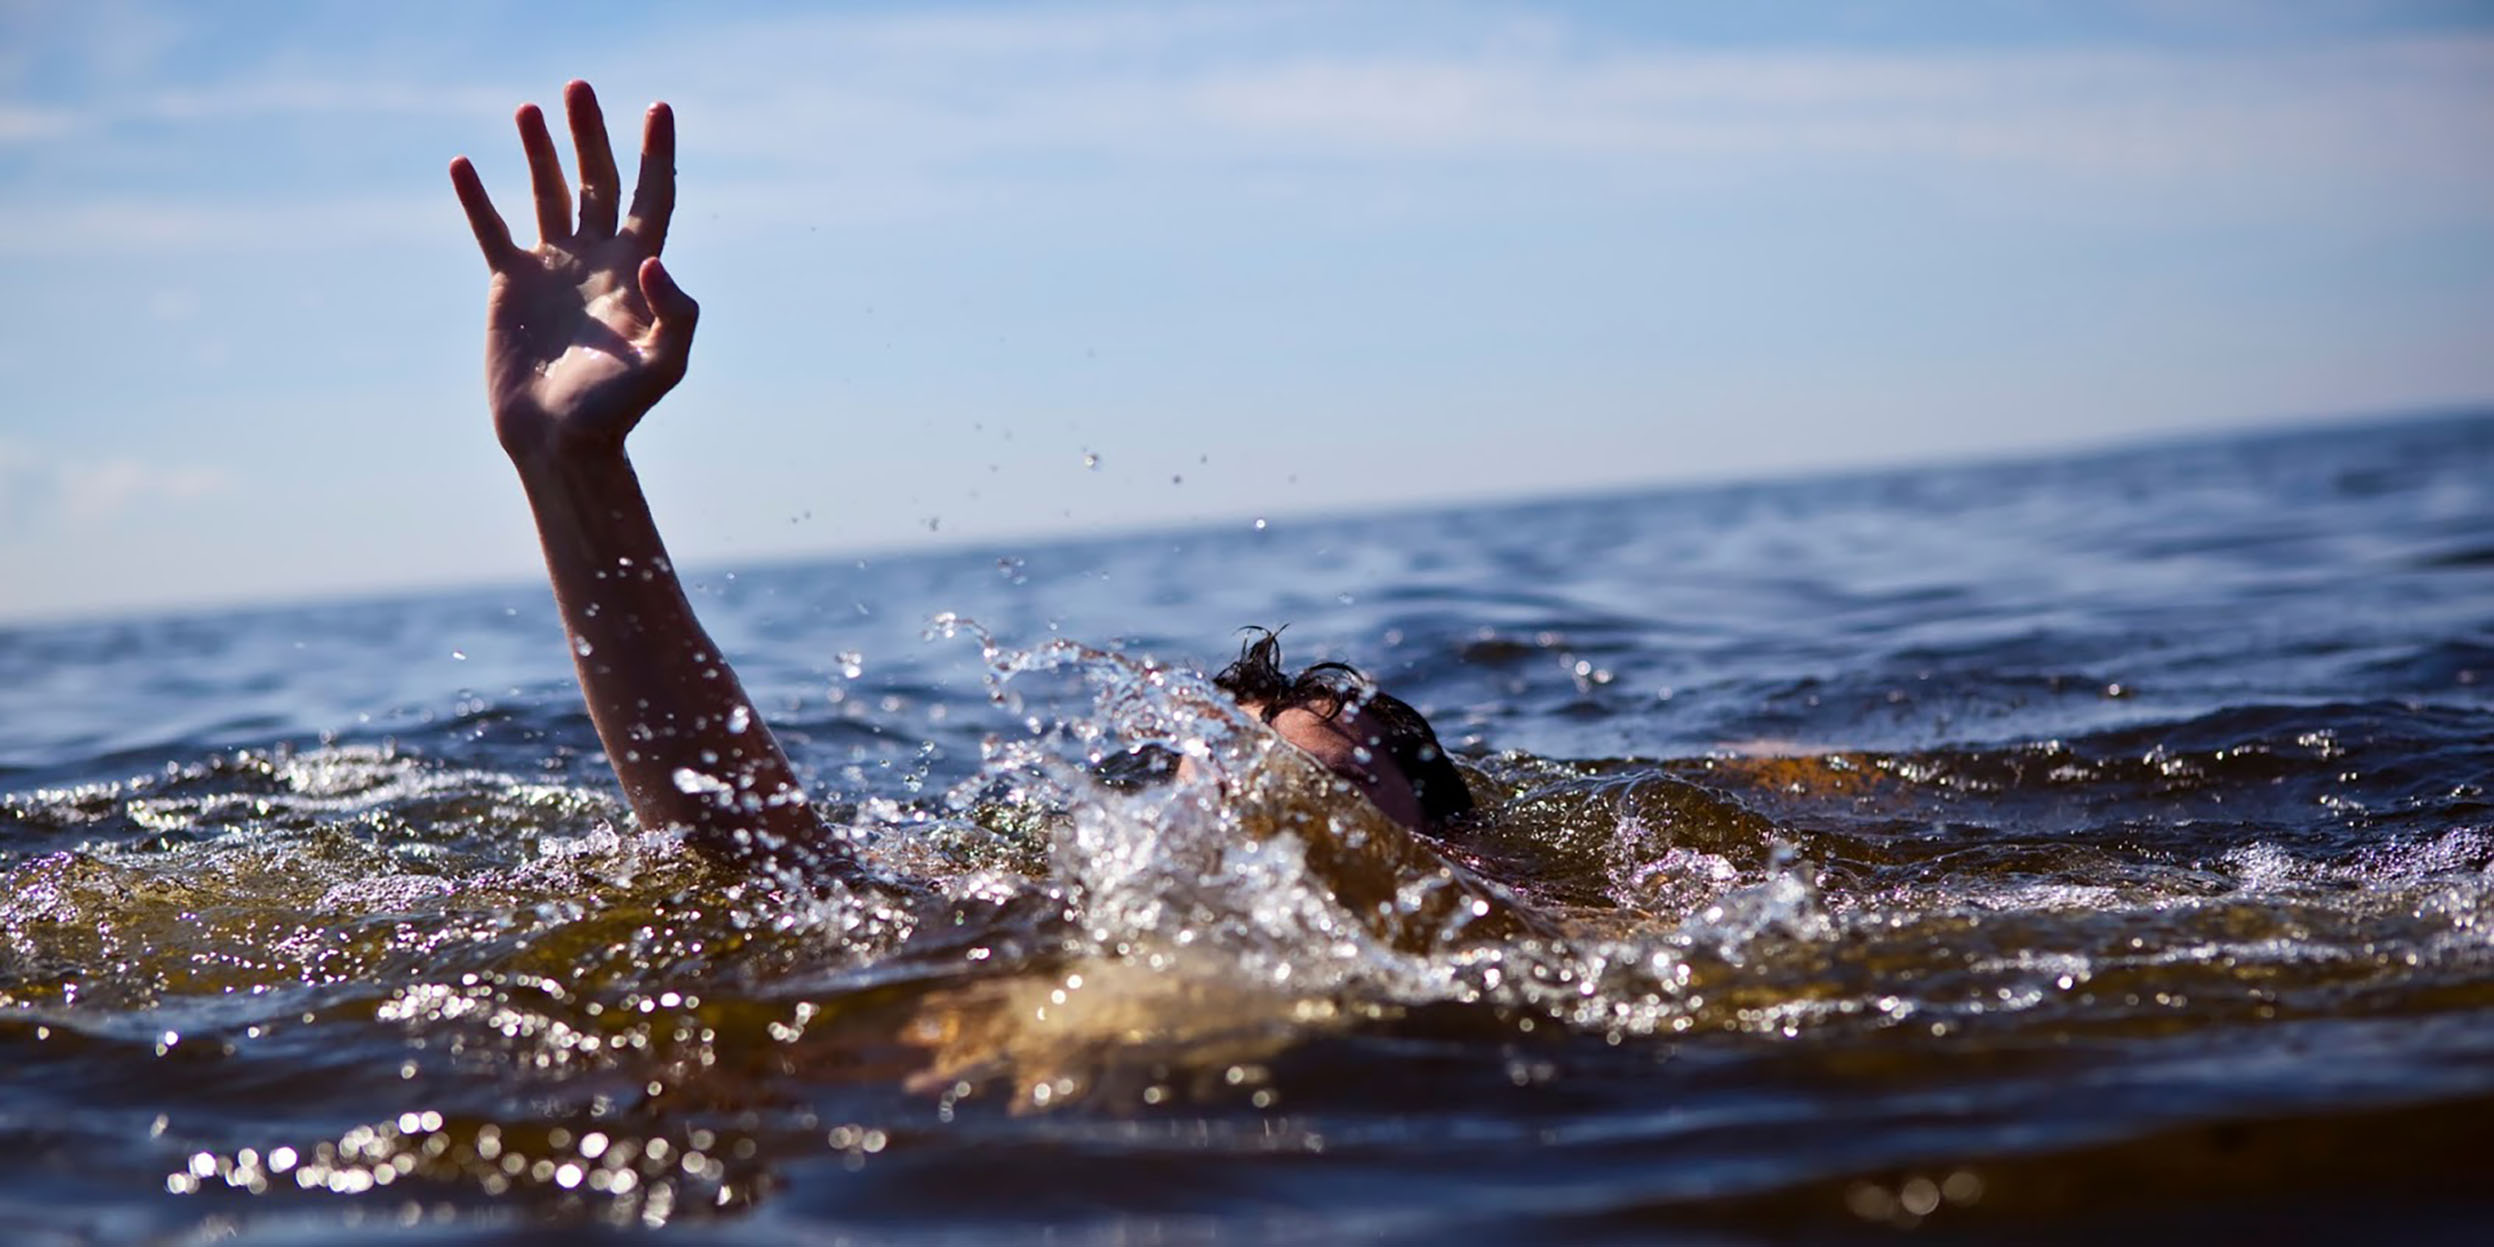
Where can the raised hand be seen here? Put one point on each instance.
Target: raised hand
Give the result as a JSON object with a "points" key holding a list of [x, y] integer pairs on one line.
{"points": [[587, 330], [584, 331]]}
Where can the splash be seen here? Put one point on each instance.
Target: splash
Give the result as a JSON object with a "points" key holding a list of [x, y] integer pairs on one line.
{"points": [[1246, 901]]}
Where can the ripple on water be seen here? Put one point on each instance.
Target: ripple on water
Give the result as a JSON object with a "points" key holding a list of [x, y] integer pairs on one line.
{"points": [[1915, 921]]}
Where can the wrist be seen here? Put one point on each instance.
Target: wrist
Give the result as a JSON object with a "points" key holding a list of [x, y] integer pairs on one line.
{"points": [[530, 434], [536, 445], [592, 519], [579, 482]]}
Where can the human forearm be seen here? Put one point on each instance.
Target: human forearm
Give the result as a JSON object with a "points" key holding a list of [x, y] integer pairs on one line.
{"points": [[682, 735], [584, 333]]}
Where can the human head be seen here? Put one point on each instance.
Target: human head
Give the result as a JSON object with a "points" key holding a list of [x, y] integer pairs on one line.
{"points": [[1340, 717]]}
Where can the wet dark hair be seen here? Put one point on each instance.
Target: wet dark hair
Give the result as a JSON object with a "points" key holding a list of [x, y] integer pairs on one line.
{"points": [[1324, 690]]}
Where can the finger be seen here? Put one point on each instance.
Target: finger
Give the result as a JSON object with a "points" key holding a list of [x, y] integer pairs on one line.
{"points": [[653, 200], [674, 315], [599, 187], [545, 176], [492, 236]]}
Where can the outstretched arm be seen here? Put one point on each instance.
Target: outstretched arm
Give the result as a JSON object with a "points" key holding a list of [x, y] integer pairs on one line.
{"points": [[584, 333]]}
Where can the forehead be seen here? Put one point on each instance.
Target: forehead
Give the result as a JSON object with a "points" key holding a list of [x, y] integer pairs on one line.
{"points": [[1332, 740], [1348, 744]]}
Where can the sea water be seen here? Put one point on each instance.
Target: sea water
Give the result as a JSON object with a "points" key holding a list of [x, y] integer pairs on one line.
{"points": [[2025, 850]]}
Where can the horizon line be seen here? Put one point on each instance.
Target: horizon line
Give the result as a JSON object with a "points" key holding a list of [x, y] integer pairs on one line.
{"points": [[2078, 450]]}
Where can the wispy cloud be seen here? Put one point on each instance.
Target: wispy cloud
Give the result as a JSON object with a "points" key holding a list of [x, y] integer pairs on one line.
{"points": [[121, 224], [897, 113], [95, 491], [103, 42], [2412, 105], [1119, 81], [2387, 130], [317, 97], [37, 489], [295, 100], [23, 124]]}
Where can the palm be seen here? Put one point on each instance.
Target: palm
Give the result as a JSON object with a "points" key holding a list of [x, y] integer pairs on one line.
{"points": [[567, 342], [586, 330]]}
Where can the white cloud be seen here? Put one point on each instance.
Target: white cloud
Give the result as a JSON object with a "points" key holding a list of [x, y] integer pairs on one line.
{"points": [[1017, 35], [323, 98], [893, 114], [23, 124], [107, 42], [122, 224], [2412, 104], [2262, 118], [36, 488], [97, 491]]}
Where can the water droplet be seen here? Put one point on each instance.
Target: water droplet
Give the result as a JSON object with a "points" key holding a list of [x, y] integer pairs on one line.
{"points": [[1919, 1196], [693, 783], [1962, 1187], [1090, 461]]}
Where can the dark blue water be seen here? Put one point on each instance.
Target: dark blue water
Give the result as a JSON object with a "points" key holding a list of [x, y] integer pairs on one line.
{"points": [[2036, 850]]}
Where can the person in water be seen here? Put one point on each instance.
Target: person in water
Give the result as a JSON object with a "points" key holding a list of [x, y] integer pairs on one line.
{"points": [[585, 332]]}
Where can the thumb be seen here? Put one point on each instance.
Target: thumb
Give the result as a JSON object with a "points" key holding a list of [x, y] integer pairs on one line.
{"points": [[674, 313]]}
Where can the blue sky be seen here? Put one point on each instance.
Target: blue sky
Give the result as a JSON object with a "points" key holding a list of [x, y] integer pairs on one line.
{"points": [[1259, 259]]}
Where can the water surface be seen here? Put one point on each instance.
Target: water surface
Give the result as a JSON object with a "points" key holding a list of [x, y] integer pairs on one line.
{"points": [[2021, 850]]}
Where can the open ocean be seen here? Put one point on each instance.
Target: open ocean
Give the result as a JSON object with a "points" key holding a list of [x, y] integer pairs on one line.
{"points": [[2047, 850]]}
